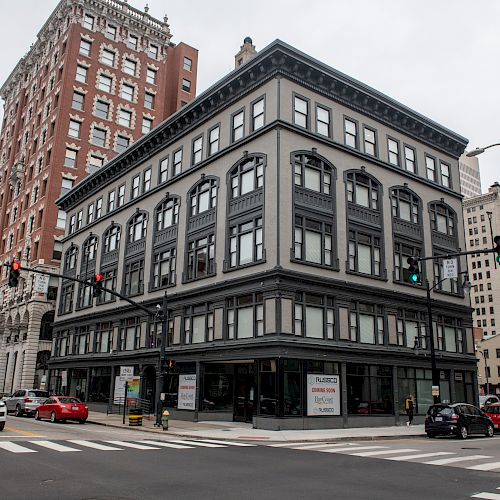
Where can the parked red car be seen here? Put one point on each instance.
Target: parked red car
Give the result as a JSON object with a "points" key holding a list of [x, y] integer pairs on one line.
{"points": [[63, 408], [493, 411]]}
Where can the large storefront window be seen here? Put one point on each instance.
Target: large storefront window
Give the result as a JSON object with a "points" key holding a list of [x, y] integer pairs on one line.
{"points": [[267, 387], [292, 387], [369, 390], [100, 384], [218, 388], [463, 387]]}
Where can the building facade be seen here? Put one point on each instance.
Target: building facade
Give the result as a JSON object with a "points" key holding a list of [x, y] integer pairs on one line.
{"points": [[482, 224], [99, 76], [488, 369], [276, 212], [470, 176]]}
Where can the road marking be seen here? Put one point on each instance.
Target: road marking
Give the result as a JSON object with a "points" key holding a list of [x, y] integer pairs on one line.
{"points": [[421, 455], [230, 443], [167, 445], [316, 446], [7, 436], [197, 443], [446, 461], [132, 445], [383, 452], [54, 446], [352, 448], [15, 448], [20, 431], [488, 466], [487, 496], [91, 444], [290, 445]]}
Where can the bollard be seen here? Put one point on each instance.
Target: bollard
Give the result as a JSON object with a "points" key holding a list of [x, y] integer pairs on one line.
{"points": [[135, 417], [164, 420]]}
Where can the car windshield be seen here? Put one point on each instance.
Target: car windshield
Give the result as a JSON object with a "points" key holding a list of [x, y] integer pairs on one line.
{"points": [[68, 400], [444, 411], [38, 394]]}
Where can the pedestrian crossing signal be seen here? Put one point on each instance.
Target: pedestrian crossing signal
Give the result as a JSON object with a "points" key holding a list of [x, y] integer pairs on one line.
{"points": [[413, 272]]}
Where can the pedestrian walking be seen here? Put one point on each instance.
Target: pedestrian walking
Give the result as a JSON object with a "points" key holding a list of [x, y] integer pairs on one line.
{"points": [[409, 407]]}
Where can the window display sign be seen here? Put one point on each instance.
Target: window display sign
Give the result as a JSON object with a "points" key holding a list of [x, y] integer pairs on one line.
{"points": [[323, 395], [187, 392]]}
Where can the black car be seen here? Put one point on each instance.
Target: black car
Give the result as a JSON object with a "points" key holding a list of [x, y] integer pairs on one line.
{"points": [[459, 419]]}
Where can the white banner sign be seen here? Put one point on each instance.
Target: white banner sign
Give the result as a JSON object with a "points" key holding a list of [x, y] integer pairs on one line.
{"points": [[41, 284], [186, 399], [450, 268], [126, 372], [323, 395], [64, 378], [119, 394]]}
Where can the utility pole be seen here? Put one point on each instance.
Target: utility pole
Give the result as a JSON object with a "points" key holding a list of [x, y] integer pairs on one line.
{"points": [[160, 378]]}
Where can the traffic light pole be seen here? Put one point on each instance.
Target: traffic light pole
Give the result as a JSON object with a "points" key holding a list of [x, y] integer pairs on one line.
{"points": [[160, 379], [435, 373]]}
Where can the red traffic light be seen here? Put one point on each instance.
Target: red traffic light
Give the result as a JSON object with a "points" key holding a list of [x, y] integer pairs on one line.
{"points": [[16, 266], [99, 277]]}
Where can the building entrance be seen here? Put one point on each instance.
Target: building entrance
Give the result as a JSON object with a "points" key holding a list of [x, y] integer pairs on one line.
{"points": [[244, 392]]}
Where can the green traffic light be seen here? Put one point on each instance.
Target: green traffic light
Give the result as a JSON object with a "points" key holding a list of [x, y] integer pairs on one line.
{"points": [[497, 258], [414, 278]]}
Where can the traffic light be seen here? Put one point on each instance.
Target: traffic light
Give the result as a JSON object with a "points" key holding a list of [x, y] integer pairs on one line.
{"points": [[413, 271], [97, 286], [497, 248], [14, 273]]}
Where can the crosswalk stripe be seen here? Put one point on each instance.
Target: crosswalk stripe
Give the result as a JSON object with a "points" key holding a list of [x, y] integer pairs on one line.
{"points": [[197, 443], [132, 445], [300, 443], [488, 466], [383, 452], [317, 446], [352, 448], [54, 446], [166, 444], [446, 461], [96, 446], [421, 455], [15, 448], [486, 496], [230, 443]]}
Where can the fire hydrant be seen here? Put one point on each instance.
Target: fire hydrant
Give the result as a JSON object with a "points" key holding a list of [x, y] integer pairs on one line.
{"points": [[164, 420]]}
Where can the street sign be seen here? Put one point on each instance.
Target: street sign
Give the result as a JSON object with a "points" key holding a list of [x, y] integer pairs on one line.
{"points": [[126, 372], [41, 284], [450, 268], [435, 390]]}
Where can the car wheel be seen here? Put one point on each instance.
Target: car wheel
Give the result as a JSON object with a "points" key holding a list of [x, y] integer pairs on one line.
{"points": [[19, 412], [431, 435], [53, 417], [82, 420], [2, 425], [490, 431], [463, 433], [37, 415]]}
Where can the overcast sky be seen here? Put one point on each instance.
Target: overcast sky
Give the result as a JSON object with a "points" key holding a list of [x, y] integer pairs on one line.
{"points": [[440, 58]]}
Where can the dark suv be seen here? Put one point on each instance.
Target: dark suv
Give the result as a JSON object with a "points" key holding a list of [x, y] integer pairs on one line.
{"points": [[459, 419]]}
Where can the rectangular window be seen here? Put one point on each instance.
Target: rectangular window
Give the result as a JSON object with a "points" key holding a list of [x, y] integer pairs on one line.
{"points": [[177, 166], [187, 64], [149, 100], [445, 175], [61, 219], [105, 83], [70, 158], [134, 278], [402, 252], [245, 244], [101, 109], [164, 268], [146, 180], [201, 257], [364, 253], [350, 133], [238, 126], [85, 47], [98, 208], [300, 112], [95, 163], [410, 161], [163, 170], [147, 125], [88, 22], [81, 74], [370, 141], [111, 32], [125, 118], [79, 220], [196, 154], [393, 151], [90, 213], [121, 196], [74, 129], [258, 114], [213, 140], [313, 241], [430, 166], [122, 143], [78, 101], [108, 57], [186, 85], [151, 76], [99, 137], [111, 201], [132, 42], [127, 92], [136, 182], [108, 282], [323, 121], [129, 67], [153, 51]]}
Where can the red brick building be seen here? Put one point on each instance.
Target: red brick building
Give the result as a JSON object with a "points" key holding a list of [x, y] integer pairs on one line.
{"points": [[100, 75]]}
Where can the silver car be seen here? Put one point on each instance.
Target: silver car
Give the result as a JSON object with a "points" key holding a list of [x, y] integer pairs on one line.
{"points": [[26, 401]]}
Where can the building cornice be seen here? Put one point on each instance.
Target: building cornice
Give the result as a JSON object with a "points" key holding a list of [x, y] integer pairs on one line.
{"points": [[277, 59]]}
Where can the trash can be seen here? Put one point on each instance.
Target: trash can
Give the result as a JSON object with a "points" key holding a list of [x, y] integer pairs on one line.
{"points": [[135, 417]]}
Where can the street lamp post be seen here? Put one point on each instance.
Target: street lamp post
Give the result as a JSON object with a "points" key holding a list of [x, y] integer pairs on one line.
{"points": [[479, 151]]}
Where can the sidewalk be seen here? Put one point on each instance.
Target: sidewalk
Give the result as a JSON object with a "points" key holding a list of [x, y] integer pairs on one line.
{"points": [[238, 431]]}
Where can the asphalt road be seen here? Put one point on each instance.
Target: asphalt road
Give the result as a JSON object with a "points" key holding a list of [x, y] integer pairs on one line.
{"points": [[72, 468]]}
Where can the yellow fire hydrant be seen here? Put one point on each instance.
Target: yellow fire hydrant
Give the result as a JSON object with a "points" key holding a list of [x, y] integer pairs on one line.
{"points": [[164, 420]]}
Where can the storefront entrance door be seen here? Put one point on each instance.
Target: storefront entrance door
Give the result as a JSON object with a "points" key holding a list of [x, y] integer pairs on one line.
{"points": [[244, 393]]}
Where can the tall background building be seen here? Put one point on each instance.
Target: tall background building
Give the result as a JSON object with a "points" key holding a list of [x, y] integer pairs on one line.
{"points": [[470, 178], [100, 75]]}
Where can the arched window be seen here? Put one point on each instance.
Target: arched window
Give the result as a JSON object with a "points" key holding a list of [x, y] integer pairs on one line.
{"points": [[406, 205], [137, 226], [311, 172], [70, 258], [167, 214], [203, 197], [111, 239], [362, 190], [443, 219], [247, 176], [90, 249]]}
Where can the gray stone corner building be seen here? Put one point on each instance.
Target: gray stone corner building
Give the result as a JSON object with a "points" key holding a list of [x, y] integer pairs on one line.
{"points": [[277, 212]]}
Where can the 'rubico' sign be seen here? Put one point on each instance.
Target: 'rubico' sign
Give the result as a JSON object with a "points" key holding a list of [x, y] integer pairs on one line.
{"points": [[187, 392], [323, 395]]}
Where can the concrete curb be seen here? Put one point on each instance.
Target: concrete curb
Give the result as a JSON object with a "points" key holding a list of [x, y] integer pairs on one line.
{"points": [[257, 440]]}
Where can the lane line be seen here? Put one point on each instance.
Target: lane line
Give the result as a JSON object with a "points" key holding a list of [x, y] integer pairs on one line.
{"points": [[230, 443], [20, 431], [383, 452], [421, 455], [445, 461], [488, 466], [54, 446], [8, 436], [353, 448], [197, 443], [126, 444], [91, 444], [15, 448], [165, 444], [487, 496]]}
